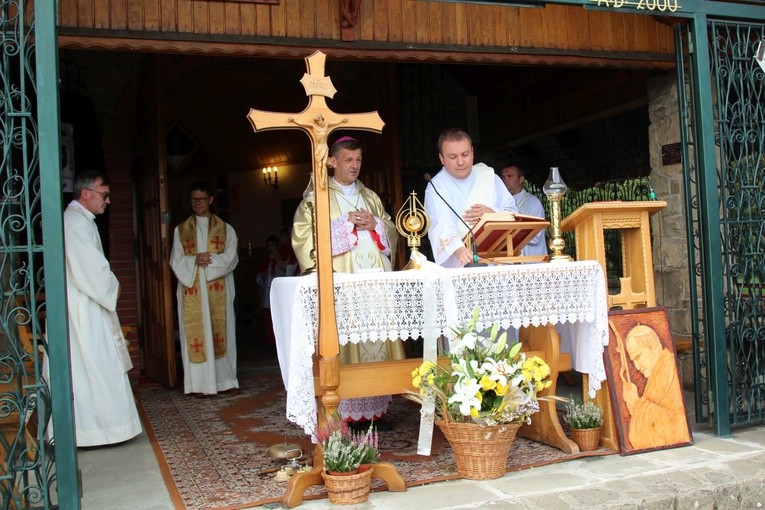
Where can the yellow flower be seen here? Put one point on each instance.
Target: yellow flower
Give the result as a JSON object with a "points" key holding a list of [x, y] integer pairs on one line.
{"points": [[426, 367], [501, 390], [487, 383], [416, 381], [474, 412]]}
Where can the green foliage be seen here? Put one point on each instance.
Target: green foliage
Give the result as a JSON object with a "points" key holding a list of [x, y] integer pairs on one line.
{"points": [[586, 415]]}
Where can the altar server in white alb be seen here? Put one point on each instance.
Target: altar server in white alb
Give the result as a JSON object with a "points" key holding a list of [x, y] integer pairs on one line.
{"points": [[104, 408], [471, 190], [203, 259], [514, 175]]}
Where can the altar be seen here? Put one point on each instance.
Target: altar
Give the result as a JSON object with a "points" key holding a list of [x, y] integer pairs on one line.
{"points": [[409, 304]]}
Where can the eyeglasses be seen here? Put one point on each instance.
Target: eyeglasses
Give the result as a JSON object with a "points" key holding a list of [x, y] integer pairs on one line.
{"points": [[104, 194], [199, 200]]}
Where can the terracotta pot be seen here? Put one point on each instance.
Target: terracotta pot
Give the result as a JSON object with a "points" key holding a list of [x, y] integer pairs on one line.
{"points": [[587, 439]]}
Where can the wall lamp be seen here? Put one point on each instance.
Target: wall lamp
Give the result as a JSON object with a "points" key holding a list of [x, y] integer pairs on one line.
{"points": [[271, 177]]}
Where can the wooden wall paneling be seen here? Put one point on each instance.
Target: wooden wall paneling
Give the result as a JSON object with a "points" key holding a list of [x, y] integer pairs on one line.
{"points": [[135, 15], [448, 20], [512, 26], [460, 28], [292, 18], [247, 19], [667, 39], [270, 20], [408, 20], [217, 17], [572, 18], [394, 20], [539, 21], [641, 41], [365, 25], [151, 15], [101, 14], [616, 34], [493, 29], [596, 29], [118, 14], [474, 23], [308, 19], [497, 27], [421, 23], [185, 18], [380, 25], [68, 13], [324, 18], [85, 13], [435, 22], [526, 26], [649, 27], [168, 15], [232, 18], [201, 16]]}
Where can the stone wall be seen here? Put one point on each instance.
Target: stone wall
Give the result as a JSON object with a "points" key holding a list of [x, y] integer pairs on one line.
{"points": [[669, 236]]}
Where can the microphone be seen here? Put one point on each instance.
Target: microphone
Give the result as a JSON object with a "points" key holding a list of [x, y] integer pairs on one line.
{"points": [[475, 262]]}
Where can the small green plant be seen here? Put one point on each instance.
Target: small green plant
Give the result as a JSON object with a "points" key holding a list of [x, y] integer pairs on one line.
{"points": [[344, 449], [587, 415]]}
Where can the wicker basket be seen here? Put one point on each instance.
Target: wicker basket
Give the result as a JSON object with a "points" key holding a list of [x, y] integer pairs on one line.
{"points": [[348, 489], [587, 439], [479, 451]]}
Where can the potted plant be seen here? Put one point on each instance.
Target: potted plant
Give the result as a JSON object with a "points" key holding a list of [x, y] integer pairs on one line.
{"points": [[347, 459], [483, 395], [585, 420]]}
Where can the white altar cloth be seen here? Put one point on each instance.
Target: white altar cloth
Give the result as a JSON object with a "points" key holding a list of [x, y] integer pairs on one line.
{"points": [[404, 304]]}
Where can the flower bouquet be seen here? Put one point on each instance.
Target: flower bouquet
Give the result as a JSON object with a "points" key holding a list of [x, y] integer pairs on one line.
{"points": [[482, 396], [347, 459]]}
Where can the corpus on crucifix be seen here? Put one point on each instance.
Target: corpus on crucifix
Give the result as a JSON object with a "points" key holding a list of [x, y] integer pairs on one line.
{"points": [[318, 121]]}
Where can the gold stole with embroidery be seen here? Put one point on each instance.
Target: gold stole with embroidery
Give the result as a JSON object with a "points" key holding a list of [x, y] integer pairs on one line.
{"points": [[216, 292]]}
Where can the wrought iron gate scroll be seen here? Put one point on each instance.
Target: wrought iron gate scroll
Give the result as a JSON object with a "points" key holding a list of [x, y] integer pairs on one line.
{"points": [[31, 475], [738, 91]]}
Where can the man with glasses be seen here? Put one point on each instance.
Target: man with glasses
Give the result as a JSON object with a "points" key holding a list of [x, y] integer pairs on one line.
{"points": [[203, 259], [104, 408]]}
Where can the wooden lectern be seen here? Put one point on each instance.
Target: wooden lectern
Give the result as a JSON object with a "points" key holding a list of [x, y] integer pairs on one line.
{"points": [[501, 236], [589, 223]]}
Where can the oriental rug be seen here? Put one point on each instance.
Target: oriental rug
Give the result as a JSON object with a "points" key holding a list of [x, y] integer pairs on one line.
{"points": [[213, 452]]}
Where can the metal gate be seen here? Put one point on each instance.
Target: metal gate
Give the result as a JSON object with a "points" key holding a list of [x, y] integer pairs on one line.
{"points": [[737, 356], [30, 476]]}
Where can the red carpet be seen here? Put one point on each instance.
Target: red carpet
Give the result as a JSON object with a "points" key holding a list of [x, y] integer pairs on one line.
{"points": [[213, 451]]}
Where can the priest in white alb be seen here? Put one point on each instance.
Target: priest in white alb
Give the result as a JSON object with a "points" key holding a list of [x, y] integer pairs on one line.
{"points": [[203, 259], [104, 408], [471, 191]]}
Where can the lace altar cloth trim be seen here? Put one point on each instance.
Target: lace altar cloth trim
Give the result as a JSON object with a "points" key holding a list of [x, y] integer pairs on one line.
{"points": [[380, 306]]}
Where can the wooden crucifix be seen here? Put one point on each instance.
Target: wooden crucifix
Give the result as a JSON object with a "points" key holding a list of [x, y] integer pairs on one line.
{"points": [[318, 121]]}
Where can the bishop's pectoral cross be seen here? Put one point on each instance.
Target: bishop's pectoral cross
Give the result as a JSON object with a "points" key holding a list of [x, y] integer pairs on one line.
{"points": [[318, 121]]}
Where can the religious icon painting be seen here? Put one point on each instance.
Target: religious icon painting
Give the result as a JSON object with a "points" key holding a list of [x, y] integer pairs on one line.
{"points": [[643, 377]]}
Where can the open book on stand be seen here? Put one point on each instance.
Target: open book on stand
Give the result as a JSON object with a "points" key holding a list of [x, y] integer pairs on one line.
{"points": [[501, 236]]}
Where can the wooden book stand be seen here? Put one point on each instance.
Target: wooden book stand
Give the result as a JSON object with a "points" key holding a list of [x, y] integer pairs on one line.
{"points": [[501, 236]]}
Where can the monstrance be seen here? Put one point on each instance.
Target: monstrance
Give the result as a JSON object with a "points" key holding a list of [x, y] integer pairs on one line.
{"points": [[412, 222]]}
